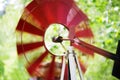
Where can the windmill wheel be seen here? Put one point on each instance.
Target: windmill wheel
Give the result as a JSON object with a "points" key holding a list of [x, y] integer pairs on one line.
{"points": [[34, 27]]}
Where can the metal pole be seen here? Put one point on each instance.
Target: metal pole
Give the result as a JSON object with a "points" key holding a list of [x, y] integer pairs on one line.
{"points": [[72, 66], [73, 62], [63, 69], [79, 68]]}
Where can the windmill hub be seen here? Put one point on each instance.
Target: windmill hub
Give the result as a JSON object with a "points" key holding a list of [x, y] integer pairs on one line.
{"points": [[53, 36], [58, 39]]}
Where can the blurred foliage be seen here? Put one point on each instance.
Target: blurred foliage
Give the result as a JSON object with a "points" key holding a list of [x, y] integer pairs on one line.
{"points": [[104, 21]]}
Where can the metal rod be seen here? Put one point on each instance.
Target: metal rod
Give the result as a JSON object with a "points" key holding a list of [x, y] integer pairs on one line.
{"points": [[73, 64], [63, 69], [97, 50], [63, 47], [79, 68]]}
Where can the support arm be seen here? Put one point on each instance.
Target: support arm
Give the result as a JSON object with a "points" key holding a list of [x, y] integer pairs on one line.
{"points": [[97, 50]]}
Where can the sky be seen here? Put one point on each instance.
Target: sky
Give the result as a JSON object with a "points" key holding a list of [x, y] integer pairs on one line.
{"points": [[4, 3]]}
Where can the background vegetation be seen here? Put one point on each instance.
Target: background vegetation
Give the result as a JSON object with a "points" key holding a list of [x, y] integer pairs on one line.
{"points": [[104, 21]]}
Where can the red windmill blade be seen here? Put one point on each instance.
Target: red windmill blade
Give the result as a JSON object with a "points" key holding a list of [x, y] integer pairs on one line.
{"points": [[37, 17], [51, 70], [27, 27], [31, 68]]}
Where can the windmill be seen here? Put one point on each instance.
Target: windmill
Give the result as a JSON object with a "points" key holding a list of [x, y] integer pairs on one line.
{"points": [[37, 18]]}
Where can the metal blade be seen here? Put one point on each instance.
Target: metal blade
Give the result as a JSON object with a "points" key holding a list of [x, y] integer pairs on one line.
{"points": [[51, 75], [50, 11], [33, 66], [66, 73], [85, 33], [76, 16], [24, 26], [22, 48], [37, 11]]}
